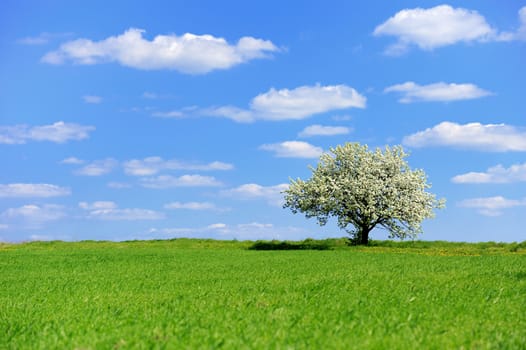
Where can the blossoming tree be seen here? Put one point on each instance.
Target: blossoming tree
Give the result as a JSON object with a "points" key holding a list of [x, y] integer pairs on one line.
{"points": [[365, 189]]}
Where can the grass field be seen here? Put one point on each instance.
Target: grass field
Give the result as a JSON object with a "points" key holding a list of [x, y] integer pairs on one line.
{"points": [[214, 294]]}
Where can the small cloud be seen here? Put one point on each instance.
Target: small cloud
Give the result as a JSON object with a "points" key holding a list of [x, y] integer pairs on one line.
{"points": [[320, 130], [189, 53], [97, 205], [442, 92], [72, 160], [58, 132], [33, 216], [29, 190], [153, 165], [191, 206], [272, 194], [108, 211], [170, 114], [491, 206], [92, 99], [98, 167], [218, 226], [485, 137], [496, 174], [293, 149], [168, 181]]}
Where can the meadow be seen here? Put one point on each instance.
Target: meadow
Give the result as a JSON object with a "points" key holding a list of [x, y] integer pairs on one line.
{"points": [[186, 294]]}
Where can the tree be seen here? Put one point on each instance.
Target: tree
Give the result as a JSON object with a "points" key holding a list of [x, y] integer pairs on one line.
{"points": [[365, 189]]}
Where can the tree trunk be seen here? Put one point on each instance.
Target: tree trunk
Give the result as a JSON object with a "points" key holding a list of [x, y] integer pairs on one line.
{"points": [[363, 236]]}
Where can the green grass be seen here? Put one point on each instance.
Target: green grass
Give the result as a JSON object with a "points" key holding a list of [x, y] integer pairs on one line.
{"points": [[216, 294]]}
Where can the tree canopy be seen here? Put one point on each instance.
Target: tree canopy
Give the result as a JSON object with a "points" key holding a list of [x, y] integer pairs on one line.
{"points": [[365, 189]]}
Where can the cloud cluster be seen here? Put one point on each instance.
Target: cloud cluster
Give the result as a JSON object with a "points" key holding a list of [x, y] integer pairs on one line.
{"points": [[440, 26], [189, 53], [486, 137], [28, 190], [496, 174], [492, 206], [285, 104], [59, 132], [412, 92]]}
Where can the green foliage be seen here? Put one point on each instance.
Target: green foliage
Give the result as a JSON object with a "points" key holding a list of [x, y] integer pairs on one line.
{"points": [[364, 189], [182, 294]]}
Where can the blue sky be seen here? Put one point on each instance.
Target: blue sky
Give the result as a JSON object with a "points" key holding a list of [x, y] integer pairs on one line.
{"points": [[160, 119]]}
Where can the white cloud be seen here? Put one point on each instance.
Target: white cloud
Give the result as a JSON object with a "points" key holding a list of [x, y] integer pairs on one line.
{"points": [[272, 194], [321, 130], [305, 101], [191, 205], [218, 226], [491, 206], [98, 167], [168, 181], [92, 99], [25, 190], [153, 165], [299, 103], [170, 114], [107, 210], [189, 53], [3, 227], [234, 113], [293, 149], [496, 174], [72, 160], [434, 27], [33, 216], [58, 132], [486, 137], [441, 26], [412, 92]]}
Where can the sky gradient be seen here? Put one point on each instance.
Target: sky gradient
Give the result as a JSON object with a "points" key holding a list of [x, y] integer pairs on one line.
{"points": [[162, 119]]}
